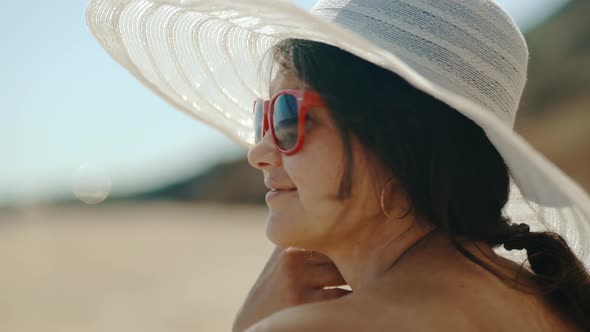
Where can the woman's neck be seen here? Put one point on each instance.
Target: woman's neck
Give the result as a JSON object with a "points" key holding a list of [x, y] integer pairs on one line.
{"points": [[373, 252]]}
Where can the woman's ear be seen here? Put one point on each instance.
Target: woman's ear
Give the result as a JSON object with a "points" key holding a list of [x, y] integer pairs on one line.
{"points": [[395, 200]]}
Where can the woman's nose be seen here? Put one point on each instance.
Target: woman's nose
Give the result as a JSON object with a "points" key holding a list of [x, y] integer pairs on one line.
{"points": [[264, 154]]}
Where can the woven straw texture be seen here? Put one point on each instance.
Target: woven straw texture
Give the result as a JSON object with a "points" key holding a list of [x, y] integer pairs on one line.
{"points": [[205, 58]]}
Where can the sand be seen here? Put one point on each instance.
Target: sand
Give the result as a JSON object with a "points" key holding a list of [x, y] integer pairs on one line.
{"points": [[128, 267]]}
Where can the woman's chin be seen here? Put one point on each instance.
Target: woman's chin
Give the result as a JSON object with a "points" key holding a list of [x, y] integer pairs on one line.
{"points": [[284, 231]]}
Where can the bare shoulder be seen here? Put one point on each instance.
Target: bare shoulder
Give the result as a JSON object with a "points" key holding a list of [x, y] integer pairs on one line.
{"points": [[356, 313], [332, 315]]}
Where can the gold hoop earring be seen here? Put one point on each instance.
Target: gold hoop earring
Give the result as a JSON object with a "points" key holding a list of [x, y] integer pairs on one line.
{"points": [[383, 203]]}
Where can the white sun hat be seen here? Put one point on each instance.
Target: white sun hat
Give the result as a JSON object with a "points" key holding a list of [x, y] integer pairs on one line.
{"points": [[204, 57]]}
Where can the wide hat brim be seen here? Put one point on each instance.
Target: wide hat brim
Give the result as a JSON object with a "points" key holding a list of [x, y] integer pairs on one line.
{"points": [[204, 58]]}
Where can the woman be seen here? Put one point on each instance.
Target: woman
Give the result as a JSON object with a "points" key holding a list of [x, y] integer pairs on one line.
{"points": [[386, 144]]}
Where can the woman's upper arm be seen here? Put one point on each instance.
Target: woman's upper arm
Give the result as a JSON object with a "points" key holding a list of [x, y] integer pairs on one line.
{"points": [[287, 321], [314, 317], [345, 314]]}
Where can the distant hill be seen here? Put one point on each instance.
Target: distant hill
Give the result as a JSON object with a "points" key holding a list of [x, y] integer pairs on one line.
{"points": [[554, 114], [555, 111], [229, 182]]}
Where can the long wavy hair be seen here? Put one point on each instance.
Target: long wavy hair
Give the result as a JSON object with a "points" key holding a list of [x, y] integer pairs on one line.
{"points": [[441, 158]]}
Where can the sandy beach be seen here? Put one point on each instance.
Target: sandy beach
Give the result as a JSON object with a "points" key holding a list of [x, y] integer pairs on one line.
{"points": [[128, 267]]}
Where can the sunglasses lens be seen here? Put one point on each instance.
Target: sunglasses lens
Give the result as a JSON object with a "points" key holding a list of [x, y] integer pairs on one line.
{"points": [[285, 121], [258, 116]]}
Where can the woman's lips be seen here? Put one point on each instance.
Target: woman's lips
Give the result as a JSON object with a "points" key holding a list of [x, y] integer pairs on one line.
{"points": [[275, 193]]}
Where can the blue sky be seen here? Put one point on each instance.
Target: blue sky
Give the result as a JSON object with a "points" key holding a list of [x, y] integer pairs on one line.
{"points": [[65, 103]]}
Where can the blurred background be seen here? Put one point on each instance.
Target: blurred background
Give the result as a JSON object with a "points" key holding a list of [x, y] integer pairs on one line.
{"points": [[119, 213]]}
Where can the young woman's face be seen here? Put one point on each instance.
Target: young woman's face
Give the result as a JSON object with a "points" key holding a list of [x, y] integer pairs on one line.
{"points": [[306, 210]]}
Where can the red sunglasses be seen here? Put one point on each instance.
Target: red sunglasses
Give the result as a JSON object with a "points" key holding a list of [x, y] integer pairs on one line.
{"points": [[285, 114]]}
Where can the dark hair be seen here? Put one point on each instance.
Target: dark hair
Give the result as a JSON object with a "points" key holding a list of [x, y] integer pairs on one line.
{"points": [[441, 158]]}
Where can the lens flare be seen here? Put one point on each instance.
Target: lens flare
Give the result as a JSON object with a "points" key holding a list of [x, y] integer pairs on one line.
{"points": [[91, 184]]}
